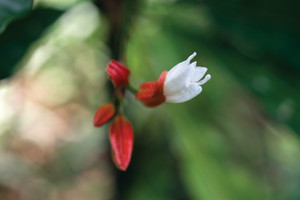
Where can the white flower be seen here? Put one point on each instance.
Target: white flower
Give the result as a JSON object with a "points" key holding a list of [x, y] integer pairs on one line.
{"points": [[183, 82]]}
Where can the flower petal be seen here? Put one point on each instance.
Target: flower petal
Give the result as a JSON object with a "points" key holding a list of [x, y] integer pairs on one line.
{"points": [[146, 90], [177, 70], [197, 74], [178, 77], [152, 93], [121, 139], [118, 73], [104, 114], [206, 78], [177, 82], [186, 94]]}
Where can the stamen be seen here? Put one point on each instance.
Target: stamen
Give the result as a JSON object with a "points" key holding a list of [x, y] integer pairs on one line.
{"points": [[207, 78]]}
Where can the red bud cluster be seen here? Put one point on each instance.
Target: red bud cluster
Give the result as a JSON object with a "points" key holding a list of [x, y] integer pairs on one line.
{"points": [[120, 130]]}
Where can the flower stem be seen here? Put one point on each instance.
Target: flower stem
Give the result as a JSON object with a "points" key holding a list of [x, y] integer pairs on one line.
{"points": [[132, 89]]}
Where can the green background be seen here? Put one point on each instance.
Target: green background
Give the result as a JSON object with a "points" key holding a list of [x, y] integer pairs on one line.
{"points": [[239, 139]]}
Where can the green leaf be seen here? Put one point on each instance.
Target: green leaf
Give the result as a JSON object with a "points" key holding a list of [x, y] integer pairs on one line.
{"points": [[11, 9], [19, 35]]}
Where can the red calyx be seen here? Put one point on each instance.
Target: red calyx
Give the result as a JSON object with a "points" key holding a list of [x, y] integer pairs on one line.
{"points": [[152, 93], [104, 114], [118, 74], [121, 139]]}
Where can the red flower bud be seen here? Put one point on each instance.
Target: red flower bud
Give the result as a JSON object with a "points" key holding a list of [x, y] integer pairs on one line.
{"points": [[104, 114], [118, 74], [152, 93], [121, 139]]}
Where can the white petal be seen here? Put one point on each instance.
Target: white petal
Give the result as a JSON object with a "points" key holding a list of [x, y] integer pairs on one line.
{"points": [[197, 74], [207, 78], [186, 94], [174, 86], [180, 67], [177, 81], [191, 57], [193, 64], [183, 82], [178, 70]]}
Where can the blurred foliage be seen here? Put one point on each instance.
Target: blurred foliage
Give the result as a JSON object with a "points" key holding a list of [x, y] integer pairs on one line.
{"points": [[12, 9], [18, 37], [264, 35], [239, 139]]}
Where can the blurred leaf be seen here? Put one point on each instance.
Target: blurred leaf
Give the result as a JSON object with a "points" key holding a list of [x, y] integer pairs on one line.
{"points": [[11, 9], [19, 35]]}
